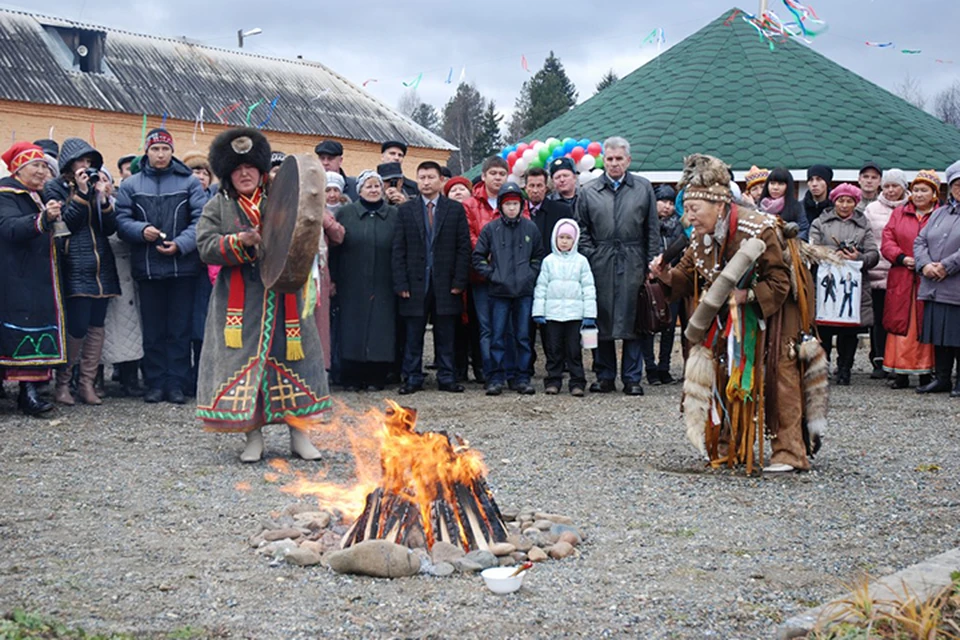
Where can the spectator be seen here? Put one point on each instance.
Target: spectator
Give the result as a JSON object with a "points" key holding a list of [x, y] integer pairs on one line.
{"points": [[564, 175], [893, 194], [620, 235], [457, 189], [869, 180], [157, 212], [817, 199], [330, 153], [123, 165], [779, 198], [335, 197], [276, 159], [392, 175], [938, 259], [564, 302], [88, 271], [508, 255], [363, 272], [198, 163], [846, 231], [32, 334], [396, 151], [431, 260], [755, 180], [50, 148], [332, 236]]}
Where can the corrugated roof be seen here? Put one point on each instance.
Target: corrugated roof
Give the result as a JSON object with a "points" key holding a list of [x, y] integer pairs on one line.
{"points": [[722, 91], [153, 75]]}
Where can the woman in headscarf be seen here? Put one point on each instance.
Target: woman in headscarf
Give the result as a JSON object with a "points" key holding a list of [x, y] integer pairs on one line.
{"points": [[361, 269], [260, 363], [87, 265], [32, 336]]}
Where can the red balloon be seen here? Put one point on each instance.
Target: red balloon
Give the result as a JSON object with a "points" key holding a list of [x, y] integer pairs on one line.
{"points": [[577, 153], [523, 146], [511, 158], [595, 149]]}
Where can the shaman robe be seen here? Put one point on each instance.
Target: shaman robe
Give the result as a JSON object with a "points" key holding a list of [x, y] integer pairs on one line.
{"points": [[778, 286], [241, 388]]}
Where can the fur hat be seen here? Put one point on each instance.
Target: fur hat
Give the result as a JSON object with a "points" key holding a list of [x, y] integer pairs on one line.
{"points": [[930, 177], [894, 176], [705, 178], [846, 190], [241, 145], [196, 160], [755, 176]]}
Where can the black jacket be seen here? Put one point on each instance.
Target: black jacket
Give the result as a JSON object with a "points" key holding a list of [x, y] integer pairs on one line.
{"points": [[813, 209], [546, 218], [450, 249], [508, 256], [87, 266]]}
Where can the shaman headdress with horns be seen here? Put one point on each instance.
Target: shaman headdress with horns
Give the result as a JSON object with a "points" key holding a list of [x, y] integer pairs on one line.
{"points": [[705, 178]]}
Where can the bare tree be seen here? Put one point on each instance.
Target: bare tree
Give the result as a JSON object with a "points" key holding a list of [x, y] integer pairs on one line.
{"points": [[909, 89], [409, 102], [946, 105]]}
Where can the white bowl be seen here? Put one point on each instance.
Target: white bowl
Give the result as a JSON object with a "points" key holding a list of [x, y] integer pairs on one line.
{"points": [[498, 579]]}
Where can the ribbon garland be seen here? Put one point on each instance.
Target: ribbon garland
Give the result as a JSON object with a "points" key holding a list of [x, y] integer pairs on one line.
{"points": [[50, 133], [226, 111], [369, 80], [143, 133], [273, 105], [198, 123], [93, 136], [251, 108], [163, 122], [523, 63], [449, 79], [413, 84]]}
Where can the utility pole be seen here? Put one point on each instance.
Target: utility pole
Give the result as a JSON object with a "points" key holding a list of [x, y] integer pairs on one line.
{"points": [[763, 7]]}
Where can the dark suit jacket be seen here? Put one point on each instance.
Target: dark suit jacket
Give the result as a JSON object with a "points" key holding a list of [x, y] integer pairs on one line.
{"points": [[551, 211], [451, 256]]}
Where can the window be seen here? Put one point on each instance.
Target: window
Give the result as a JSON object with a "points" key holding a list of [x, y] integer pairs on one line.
{"points": [[85, 46]]}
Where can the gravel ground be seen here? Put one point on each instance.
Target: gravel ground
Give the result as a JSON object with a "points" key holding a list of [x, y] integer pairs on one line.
{"points": [[126, 518]]}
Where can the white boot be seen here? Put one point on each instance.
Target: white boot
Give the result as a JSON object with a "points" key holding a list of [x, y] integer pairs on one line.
{"points": [[778, 467], [254, 449], [300, 445]]}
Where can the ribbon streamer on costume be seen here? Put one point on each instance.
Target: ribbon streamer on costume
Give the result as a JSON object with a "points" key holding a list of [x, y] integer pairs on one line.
{"points": [[413, 84], [449, 79], [143, 132], [369, 80], [523, 63], [273, 105], [227, 110], [251, 108], [879, 45]]}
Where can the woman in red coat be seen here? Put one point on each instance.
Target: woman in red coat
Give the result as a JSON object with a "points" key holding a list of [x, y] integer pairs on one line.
{"points": [[904, 354]]}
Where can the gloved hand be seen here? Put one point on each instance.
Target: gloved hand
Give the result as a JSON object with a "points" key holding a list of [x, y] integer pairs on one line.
{"points": [[539, 320], [589, 323]]}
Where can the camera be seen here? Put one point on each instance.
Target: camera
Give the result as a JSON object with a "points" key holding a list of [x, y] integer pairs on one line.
{"points": [[93, 175], [847, 246]]}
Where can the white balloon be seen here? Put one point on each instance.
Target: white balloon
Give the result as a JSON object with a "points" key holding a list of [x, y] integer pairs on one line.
{"points": [[529, 155], [585, 178], [514, 178], [521, 165], [586, 163], [540, 145], [551, 141]]}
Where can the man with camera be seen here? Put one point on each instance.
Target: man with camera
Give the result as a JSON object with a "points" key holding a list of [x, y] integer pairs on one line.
{"points": [[394, 151], [157, 213]]}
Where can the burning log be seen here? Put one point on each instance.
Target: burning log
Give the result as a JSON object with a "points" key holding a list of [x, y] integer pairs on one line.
{"points": [[432, 488]]}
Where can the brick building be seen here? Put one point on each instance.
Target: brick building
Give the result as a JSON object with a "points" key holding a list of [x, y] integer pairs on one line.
{"points": [[100, 84]]}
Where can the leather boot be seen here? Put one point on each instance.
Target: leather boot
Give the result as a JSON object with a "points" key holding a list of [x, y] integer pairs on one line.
{"points": [[300, 445], [254, 449], [941, 380], [62, 393], [29, 402], [130, 379], [89, 362]]}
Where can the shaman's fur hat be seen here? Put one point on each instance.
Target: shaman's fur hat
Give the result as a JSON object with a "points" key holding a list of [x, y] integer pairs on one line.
{"points": [[705, 178], [233, 147]]}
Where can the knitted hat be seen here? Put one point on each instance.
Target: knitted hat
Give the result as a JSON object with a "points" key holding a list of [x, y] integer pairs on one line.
{"points": [[21, 154], [756, 176], [953, 172], [705, 178], [196, 160], [846, 190], [158, 136], [237, 146], [820, 171], [562, 164], [894, 176], [452, 182], [390, 144], [930, 177], [367, 175], [50, 147], [334, 179]]}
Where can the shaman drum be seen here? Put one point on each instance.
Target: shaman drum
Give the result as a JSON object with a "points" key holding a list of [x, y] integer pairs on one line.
{"points": [[292, 223]]}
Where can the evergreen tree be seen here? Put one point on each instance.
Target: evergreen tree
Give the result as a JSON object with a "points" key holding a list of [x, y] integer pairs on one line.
{"points": [[547, 95], [608, 79], [462, 116], [517, 127], [426, 116], [488, 141]]}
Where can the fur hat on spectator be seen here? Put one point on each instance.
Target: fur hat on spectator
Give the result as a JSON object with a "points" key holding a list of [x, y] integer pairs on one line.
{"points": [[196, 160]]}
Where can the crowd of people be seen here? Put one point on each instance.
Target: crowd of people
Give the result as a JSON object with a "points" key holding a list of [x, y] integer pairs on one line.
{"points": [[156, 274]]}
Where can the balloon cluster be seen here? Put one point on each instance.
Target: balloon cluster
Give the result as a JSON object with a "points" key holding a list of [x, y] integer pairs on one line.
{"points": [[586, 155]]}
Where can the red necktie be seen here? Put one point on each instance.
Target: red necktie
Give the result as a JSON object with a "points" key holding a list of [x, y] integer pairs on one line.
{"points": [[430, 216]]}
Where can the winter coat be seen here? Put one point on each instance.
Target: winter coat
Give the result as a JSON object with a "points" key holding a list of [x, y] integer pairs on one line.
{"points": [[232, 378], [812, 209], [794, 213], [87, 265], [902, 284], [122, 333], [204, 288], [830, 229], [171, 200], [362, 268], [548, 215], [479, 214], [570, 202], [619, 235], [939, 241], [508, 255], [31, 307], [878, 215], [671, 229], [447, 253], [565, 289]]}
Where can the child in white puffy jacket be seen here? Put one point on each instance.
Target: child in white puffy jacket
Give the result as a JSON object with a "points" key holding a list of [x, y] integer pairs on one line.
{"points": [[564, 301]]}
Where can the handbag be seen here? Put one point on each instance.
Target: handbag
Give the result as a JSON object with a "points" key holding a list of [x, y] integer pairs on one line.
{"points": [[653, 310]]}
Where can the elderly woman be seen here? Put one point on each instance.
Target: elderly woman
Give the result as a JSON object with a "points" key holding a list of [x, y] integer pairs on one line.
{"points": [[32, 333], [847, 232], [89, 274], [893, 194], [361, 269], [332, 236], [937, 251], [458, 189], [904, 355], [260, 364]]}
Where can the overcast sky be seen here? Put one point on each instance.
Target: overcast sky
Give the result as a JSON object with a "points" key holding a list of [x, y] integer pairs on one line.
{"points": [[394, 41]]}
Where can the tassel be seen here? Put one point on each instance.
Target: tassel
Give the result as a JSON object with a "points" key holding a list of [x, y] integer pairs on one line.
{"points": [[233, 330], [815, 391], [698, 383], [292, 326]]}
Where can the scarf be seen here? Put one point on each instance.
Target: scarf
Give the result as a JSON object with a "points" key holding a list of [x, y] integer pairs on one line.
{"points": [[893, 204], [233, 330], [773, 205]]}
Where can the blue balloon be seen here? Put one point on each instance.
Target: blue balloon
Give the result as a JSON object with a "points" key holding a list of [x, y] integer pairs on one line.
{"points": [[584, 143], [504, 154], [568, 146]]}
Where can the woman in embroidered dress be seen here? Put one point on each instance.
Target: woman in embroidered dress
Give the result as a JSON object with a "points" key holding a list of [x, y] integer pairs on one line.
{"points": [[260, 364]]}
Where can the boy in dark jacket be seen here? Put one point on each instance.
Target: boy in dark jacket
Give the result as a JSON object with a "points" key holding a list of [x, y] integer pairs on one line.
{"points": [[507, 256]]}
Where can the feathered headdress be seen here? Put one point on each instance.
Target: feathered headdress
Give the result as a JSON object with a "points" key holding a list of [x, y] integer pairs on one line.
{"points": [[705, 178]]}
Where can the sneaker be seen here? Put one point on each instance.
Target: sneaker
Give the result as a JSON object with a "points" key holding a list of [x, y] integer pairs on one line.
{"points": [[551, 390], [577, 392], [494, 389], [524, 388]]}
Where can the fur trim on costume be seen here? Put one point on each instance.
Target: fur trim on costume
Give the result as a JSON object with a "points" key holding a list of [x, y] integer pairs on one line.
{"points": [[233, 147], [699, 379], [705, 178], [815, 393], [817, 254]]}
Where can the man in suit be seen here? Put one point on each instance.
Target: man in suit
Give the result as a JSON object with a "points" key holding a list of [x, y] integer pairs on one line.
{"points": [[431, 259]]}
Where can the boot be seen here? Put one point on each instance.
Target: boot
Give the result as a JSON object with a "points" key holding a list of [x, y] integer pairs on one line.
{"points": [[89, 362], [29, 402], [300, 445], [130, 379], [62, 393], [956, 389], [98, 383], [254, 449], [843, 376], [941, 380], [900, 381]]}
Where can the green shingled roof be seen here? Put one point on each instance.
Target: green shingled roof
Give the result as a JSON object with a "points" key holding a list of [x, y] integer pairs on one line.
{"points": [[722, 91]]}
